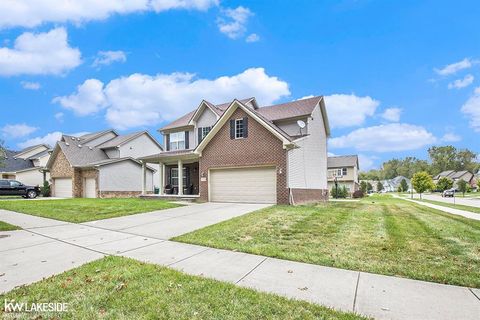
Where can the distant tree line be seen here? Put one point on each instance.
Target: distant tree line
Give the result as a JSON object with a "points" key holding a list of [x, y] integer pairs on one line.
{"points": [[440, 159]]}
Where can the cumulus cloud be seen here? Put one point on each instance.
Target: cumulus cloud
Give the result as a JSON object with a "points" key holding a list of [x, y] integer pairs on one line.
{"points": [[451, 137], [366, 162], [233, 24], [346, 110], [39, 53], [30, 85], [392, 114], [471, 109], [17, 130], [461, 83], [453, 68], [253, 38], [88, 99], [27, 13], [385, 138], [49, 139], [108, 57], [141, 100]]}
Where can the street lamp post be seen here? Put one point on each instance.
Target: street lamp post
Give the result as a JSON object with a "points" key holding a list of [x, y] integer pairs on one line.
{"points": [[336, 188]]}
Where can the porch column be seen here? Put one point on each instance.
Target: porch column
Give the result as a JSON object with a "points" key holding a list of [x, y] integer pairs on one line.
{"points": [[180, 177], [161, 181], [144, 177]]}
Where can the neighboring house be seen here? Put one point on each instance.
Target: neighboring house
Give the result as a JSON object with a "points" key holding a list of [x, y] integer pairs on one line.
{"points": [[456, 176], [240, 152], [101, 164], [345, 170], [27, 166], [391, 185]]}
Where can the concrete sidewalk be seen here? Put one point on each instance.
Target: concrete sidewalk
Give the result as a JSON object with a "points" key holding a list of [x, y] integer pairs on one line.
{"points": [[49, 247]]}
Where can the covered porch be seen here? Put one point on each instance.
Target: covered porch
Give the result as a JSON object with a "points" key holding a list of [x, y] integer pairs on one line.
{"points": [[178, 176]]}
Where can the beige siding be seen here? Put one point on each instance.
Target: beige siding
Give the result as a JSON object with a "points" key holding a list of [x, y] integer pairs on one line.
{"points": [[100, 140], [129, 180], [31, 177], [291, 127], [307, 165], [32, 152]]}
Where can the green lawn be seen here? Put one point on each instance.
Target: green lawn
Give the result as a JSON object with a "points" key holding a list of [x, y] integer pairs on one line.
{"points": [[451, 205], [121, 288], [379, 234], [7, 227], [82, 210]]}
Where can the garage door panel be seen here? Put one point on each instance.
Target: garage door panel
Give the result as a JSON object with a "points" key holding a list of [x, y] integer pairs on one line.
{"points": [[63, 187], [256, 185]]}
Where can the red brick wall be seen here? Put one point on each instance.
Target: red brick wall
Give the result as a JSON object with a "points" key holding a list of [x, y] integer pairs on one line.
{"points": [[261, 147], [301, 196]]}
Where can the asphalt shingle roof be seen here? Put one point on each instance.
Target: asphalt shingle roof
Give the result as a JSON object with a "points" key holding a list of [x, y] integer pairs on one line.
{"points": [[81, 156], [12, 164], [119, 140], [342, 161]]}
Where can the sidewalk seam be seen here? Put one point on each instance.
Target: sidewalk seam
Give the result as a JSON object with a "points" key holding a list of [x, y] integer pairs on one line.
{"points": [[356, 292], [147, 245], [470, 289], [249, 272], [193, 255]]}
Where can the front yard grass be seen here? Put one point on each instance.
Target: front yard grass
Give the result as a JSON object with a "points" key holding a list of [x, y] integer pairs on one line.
{"points": [[121, 288], [7, 226], [379, 234], [82, 210], [451, 205]]}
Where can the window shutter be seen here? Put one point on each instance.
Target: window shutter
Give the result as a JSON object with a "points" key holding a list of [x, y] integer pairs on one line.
{"points": [[199, 135], [245, 127], [167, 138], [232, 128], [187, 140]]}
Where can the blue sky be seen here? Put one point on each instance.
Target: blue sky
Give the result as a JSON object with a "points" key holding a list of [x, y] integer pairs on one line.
{"points": [[398, 76]]}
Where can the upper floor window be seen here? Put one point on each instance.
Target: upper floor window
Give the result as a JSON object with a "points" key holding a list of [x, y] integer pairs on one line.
{"points": [[344, 171], [205, 131], [337, 172], [239, 129], [177, 140]]}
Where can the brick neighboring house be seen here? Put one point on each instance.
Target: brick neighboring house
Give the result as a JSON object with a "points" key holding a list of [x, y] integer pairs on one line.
{"points": [[101, 164], [345, 170], [456, 176], [27, 166], [240, 152]]}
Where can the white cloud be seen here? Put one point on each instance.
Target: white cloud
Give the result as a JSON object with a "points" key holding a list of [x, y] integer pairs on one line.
{"points": [[385, 138], [50, 139], [233, 24], [17, 130], [455, 67], [30, 85], [306, 97], [253, 38], [461, 83], [346, 110], [142, 100], [88, 99], [366, 162], [451, 137], [471, 108], [39, 53], [392, 114], [27, 13], [109, 57], [59, 116]]}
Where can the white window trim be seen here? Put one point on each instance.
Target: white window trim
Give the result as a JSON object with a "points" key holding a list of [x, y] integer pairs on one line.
{"points": [[243, 129], [176, 176], [177, 140], [205, 131]]}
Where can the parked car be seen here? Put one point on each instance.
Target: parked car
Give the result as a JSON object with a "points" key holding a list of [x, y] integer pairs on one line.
{"points": [[448, 193], [15, 188]]}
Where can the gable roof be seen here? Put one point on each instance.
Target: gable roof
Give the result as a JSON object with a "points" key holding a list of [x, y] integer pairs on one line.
{"points": [[13, 164], [124, 138], [77, 156], [293, 109], [446, 173], [112, 161], [92, 136], [40, 154], [343, 161], [18, 154]]}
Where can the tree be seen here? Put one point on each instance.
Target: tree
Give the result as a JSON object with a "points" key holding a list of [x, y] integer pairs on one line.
{"points": [[369, 186], [462, 186], [444, 183], [404, 185], [2, 154], [422, 182], [379, 186], [363, 186], [340, 192], [443, 158]]}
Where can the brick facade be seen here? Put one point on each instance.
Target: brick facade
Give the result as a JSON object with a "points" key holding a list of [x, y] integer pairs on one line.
{"points": [[303, 196], [120, 194], [261, 147]]}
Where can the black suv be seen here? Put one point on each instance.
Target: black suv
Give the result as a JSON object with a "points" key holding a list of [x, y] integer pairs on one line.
{"points": [[14, 188]]}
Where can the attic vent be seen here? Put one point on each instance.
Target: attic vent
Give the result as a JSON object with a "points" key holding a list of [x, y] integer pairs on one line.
{"points": [[67, 144], [79, 145], [91, 148], [73, 138]]}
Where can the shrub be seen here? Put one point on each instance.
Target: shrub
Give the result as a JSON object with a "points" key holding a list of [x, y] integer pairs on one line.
{"points": [[45, 190], [340, 193], [358, 194]]}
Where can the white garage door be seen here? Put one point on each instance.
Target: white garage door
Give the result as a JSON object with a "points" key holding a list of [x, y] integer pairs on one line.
{"points": [[63, 187], [89, 188], [251, 185]]}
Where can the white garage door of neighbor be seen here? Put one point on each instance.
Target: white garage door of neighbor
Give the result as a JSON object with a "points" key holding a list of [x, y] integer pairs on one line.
{"points": [[63, 187], [89, 187], [250, 185]]}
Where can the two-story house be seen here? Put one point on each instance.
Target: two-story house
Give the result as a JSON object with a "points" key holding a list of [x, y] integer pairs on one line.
{"points": [[241, 152], [343, 170], [102, 164]]}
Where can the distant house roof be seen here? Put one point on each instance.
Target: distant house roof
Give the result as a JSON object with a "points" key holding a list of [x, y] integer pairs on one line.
{"points": [[124, 138], [21, 152], [40, 154], [452, 174], [343, 161], [13, 164], [446, 173]]}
